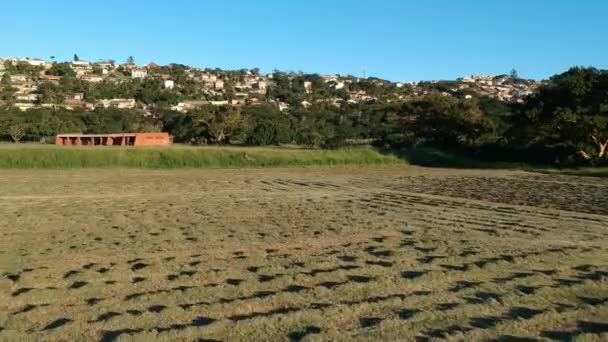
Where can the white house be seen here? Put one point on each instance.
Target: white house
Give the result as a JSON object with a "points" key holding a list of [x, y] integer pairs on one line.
{"points": [[283, 106], [81, 67], [119, 103], [25, 106], [308, 87], [19, 78], [106, 64], [169, 84], [31, 97], [139, 73], [261, 86], [37, 62], [92, 78]]}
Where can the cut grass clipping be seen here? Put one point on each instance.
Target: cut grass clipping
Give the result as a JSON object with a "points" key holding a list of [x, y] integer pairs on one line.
{"points": [[57, 157]]}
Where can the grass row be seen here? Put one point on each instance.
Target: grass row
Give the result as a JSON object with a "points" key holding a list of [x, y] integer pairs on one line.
{"points": [[38, 156], [63, 157]]}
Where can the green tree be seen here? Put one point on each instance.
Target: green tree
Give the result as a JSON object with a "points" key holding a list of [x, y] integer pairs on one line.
{"points": [[61, 69], [568, 116], [445, 121], [514, 74], [76, 58], [50, 93], [264, 133], [7, 91]]}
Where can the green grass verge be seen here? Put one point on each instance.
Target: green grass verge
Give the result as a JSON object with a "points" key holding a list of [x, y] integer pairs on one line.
{"points": [[28, 156]]}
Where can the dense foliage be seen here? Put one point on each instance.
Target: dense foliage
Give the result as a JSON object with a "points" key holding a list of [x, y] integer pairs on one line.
{"points": [[565, 121]]}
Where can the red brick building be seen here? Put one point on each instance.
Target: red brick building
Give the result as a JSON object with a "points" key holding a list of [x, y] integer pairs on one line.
{"points": [[114, 139]]}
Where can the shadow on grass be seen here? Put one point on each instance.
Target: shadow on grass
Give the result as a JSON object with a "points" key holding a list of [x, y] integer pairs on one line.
{"points": [[600, 172], [431, 157]]}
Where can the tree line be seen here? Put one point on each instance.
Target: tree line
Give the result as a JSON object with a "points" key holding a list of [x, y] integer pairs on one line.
{"points": [[565, 122]]}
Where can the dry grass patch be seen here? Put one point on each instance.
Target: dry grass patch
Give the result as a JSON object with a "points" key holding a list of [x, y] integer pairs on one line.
{"points": [[355, 253]]}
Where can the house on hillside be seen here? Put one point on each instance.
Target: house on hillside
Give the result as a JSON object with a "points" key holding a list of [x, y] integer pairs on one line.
{"points": [[27, 97], [91, 78], [50, 78], [308, 87], [19, 78], [37, 62], [81, 67], [23, 106], [106, 65], [139, 73], [261, 87], [118, 103], [169, 84]]}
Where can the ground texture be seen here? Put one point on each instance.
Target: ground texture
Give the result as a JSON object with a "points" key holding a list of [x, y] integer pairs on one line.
{"points": [[395, 253]]}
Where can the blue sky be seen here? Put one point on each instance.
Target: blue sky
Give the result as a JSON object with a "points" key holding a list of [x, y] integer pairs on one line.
{"points": [[393, 39]]}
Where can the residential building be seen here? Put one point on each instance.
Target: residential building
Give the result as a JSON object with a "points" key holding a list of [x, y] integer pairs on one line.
{"points": [[50, 78], [308, 87], [139, 73], [19, 78], [119, 103], [37, 62], [169, 84], [81, 67], [261, 86], [92, 78], [23, 106], [27, 97], [106, 65], [283, 106]]}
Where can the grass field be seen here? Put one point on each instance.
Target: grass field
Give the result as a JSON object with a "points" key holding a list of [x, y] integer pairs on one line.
{"points": [[37, 156], [347, 253]]}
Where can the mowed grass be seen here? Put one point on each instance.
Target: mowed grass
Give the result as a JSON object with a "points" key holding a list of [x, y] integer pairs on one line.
{"points": [[29, 156], [345, 253]]}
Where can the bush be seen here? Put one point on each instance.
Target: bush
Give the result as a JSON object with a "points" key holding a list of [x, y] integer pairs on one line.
{"points": [[263, 134], [334, 143]]}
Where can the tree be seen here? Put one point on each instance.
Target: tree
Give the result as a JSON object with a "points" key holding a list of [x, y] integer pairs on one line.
{"points": [[131, 60], [18, 131], [61, 69], [263, 134], [514, 75], [52, 58], [50, 93], [445, 121], [76, 58], [568, 116], [7, 90]]}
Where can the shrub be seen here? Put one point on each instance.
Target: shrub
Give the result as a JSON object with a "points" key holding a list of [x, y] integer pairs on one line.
{"points": [[263, 134]]}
